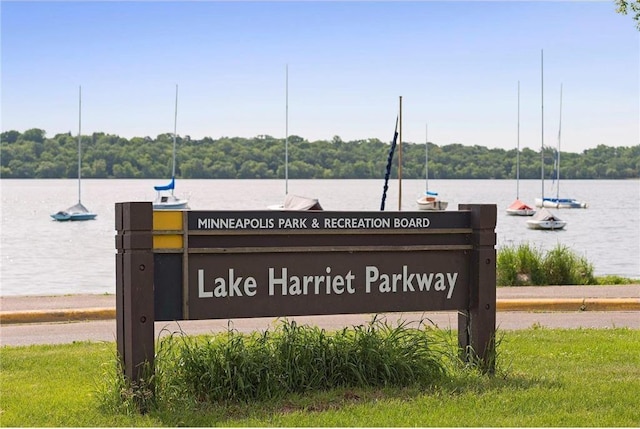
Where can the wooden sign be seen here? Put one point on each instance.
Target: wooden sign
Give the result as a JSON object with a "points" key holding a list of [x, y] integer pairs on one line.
{"points": [[184, 265]]}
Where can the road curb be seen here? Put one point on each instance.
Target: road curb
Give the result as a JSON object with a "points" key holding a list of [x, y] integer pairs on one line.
{"points": [[569, 304], [52, 316], [503, 305]]}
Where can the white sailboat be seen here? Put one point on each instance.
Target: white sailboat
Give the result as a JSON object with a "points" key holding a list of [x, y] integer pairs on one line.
{"points": [[292, 202], [518, 208], [430, 200], [165, 197], [557, 202], [77, 211], [544, 219]]}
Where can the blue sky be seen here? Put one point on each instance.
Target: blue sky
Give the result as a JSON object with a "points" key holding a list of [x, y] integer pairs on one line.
{"points": [[455, 64]]}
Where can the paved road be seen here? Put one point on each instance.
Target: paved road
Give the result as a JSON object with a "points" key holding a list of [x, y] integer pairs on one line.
{"points": [[534, 305]]}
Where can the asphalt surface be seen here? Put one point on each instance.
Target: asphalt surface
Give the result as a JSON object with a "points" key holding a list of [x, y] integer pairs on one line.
{"points": [[64, 319]]}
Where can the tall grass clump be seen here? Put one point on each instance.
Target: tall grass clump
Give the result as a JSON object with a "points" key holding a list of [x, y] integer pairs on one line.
{"points": [[519, 266], [564, 267], [524, 265], [294, 359]]}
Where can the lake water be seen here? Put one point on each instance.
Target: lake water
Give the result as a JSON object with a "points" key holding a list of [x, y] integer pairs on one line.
{"points": [[40, 256]]}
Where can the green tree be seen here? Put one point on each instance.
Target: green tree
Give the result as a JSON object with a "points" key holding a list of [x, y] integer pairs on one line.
{"points": [[627, 6], [33, 135], [9, 136]]}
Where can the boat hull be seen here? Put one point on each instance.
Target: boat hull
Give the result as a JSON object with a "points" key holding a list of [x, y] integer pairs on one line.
{"points": [[545, 219], [77, 212], [64, 217], [518, 208], [297, 203], [546, 224], [178, 205], [560, 203], [61, 216], [521, 212], [430, 203], [170, 202]]}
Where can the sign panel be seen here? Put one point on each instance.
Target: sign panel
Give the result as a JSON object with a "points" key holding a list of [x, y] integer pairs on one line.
{"points": [[233, 264], [324, 221], [316, 283]]}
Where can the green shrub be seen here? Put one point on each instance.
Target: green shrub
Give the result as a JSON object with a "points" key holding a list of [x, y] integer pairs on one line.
{"points": [[294, 359], [524, 265], [615, 280], [519, 266], [563, 267]]}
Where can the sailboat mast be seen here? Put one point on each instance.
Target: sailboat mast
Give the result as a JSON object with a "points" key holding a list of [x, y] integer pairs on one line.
{"points": [[518, 151], [400, 158], [175, 130], [426, 158], [79, 143], [558, 158], [542, 118], [286, 132]]}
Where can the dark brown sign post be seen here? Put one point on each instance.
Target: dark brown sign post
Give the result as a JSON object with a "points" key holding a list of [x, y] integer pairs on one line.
{"points": [[188, 265]]}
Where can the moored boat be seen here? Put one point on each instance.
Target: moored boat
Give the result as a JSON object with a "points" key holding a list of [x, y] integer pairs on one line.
{"points": [[560, 203], [165, 197], [518, 208], [77, 211], [557, 202], [291, 202], [544, 219], [430, 200], [296, 202], [168, 201]]}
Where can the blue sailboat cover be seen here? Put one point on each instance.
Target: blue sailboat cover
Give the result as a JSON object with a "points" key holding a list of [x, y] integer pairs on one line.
{"points": [[431, 193], [167, 187]]}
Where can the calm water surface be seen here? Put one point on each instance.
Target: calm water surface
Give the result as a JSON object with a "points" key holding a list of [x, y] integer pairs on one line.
{"points": [[41, 257]]}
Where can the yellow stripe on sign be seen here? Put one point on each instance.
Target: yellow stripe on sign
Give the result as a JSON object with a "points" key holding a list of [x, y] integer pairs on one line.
{"points": [[167, 220], [169, 241]]}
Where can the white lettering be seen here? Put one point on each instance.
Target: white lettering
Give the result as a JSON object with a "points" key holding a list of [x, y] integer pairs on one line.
{"points": [[234, 223], [407, 280], [391, 282], [439, 286], [451, 277], [220, 291], [230, 286], [413, 222], [424, 281], [292, 223], [273, 281], [325, 284], [201, 292], [356, 223]]}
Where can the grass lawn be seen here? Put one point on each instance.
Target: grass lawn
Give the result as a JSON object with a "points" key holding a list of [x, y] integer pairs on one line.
{"points": [[545, 377]]}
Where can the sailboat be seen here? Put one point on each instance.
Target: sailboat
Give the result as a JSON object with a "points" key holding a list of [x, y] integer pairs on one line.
{"points": [[518, 208], [544, 219], [430, 200], [557, 202], [292, 202], [77, 211], [166, 200]]}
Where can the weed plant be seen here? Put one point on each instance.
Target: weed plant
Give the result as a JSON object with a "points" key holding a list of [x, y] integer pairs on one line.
{"points": [[289, 360], [615, 280], [524, 265], [563, 267]]}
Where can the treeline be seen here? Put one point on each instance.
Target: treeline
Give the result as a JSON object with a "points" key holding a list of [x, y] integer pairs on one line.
{"points": [[33, 155]]}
